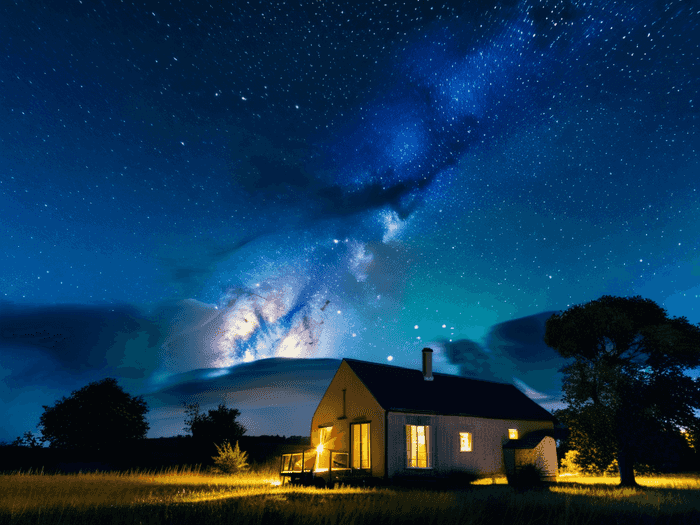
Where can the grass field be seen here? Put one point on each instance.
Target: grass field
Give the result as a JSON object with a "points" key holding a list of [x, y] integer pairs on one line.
{"points": [[188, 496]]}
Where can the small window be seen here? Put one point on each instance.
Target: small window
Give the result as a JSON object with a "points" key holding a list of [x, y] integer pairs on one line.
{"points": [[418, 446], [512, 433], [465, 441], [324, 435]]}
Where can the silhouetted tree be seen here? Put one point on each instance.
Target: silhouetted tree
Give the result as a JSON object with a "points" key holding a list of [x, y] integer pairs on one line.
{"points": [[28, 439], [626, 387], [98, 417], [216, 427]]}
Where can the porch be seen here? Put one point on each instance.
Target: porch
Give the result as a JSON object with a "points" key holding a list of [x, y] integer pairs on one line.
{"points": [[322, 468]]}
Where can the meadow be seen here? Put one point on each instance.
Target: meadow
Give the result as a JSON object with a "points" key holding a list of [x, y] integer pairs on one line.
{"points": [[187, 495]]}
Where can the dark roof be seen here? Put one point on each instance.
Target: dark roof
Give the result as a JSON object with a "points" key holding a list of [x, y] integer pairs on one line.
{"points": [[404, 390], [530, 440]]}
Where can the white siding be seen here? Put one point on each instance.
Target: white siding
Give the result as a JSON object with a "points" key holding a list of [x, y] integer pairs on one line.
{"points": [[488, 437], [546, 457]]}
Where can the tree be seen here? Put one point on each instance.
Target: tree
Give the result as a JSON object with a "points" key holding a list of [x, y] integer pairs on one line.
{"points": [[98, 417], [28, 439], [626, 387], [216, 427]]}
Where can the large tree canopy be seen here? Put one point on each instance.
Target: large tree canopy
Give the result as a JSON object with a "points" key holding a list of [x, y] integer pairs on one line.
{"points": [[97, 417], [627, 375], [216, 427]]}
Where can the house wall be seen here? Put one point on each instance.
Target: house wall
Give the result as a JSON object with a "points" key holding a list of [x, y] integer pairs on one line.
{"points": [[360, 407], [543, 456], [488, 437], [546, 457]]}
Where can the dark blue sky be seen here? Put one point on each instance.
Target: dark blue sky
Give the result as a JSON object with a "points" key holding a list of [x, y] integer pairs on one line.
{"points": [[188, 186]]}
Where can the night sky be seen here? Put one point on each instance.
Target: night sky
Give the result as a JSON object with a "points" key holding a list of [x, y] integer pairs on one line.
{"points": [[187, 186]]}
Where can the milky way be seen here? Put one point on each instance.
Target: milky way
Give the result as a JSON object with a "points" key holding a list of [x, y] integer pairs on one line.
{"points": [[355, 179]]}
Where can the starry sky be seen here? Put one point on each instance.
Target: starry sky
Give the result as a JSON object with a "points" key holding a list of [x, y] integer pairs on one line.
{"points": [[190, 188]]}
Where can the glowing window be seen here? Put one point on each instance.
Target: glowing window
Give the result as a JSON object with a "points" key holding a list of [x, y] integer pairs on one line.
{"points": [[465, 442], [324, 435], [512, 433], [322, 455], [418, 446], [360, 445]]}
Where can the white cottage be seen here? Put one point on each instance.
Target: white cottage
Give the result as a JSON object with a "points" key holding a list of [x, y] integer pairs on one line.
{"points": [[387, 422]]}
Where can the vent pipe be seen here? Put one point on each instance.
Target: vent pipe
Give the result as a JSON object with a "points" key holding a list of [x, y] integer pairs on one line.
{"points": [[427, 364]]}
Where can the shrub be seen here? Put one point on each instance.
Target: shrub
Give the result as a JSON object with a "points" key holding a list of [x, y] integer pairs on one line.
{"points": [[230, 460], [568, 463], [526, 477]]}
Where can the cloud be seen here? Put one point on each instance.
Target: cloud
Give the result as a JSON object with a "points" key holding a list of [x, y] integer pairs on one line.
{"points": [[188, 273], [400, 197], [48, 351], [535, 366], [522, 342], [472, 360], [76, 339], [513, 352], [275, 396]]}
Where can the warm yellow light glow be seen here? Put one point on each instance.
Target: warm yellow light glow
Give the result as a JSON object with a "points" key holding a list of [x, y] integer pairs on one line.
{"points": [[513, 433], [418, 446], [465, 442], [319, 448], [360, 445]]}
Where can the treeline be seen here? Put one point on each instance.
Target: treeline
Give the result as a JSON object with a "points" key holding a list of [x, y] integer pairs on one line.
{"points": [[144, 454]]}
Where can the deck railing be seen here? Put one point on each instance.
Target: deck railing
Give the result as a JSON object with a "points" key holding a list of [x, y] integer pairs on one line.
{"points": [[311, 463]]}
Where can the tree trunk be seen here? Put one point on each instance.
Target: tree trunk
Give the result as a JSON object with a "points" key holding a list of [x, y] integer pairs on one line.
{"points": [[625, 463]]}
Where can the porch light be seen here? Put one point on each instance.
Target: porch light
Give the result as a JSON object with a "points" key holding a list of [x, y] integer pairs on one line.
{"points": [[319, 448]]}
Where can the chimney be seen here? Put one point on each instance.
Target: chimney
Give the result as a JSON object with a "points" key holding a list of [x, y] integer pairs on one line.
{"points": [[427, 364]]}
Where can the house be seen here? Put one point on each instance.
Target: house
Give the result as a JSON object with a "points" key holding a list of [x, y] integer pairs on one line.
{"points": [[387, 422]]}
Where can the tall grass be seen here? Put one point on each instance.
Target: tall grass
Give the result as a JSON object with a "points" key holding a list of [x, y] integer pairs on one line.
{"points": [[188, 495]]}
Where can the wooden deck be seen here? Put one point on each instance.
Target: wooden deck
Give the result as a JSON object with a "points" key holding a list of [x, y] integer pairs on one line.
{"points": [[325, 469]]}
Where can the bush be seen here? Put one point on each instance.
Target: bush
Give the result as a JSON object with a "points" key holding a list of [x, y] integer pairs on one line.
{"points": [[568, 463], [230, 460], [526, 477]]}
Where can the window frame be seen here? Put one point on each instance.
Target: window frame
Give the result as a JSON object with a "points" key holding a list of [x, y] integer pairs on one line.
{"points": [[324, 434], [409, 433], [470, 442], [354, 427]]}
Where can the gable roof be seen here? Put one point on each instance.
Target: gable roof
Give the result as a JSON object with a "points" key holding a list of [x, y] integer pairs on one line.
{"points": [[399, 389]]}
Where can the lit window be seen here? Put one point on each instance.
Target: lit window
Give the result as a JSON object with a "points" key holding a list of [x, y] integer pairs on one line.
{"points": [[322, 456], [418, 446], [465, 442], [512, 433], [324, 435], [360, 445]]}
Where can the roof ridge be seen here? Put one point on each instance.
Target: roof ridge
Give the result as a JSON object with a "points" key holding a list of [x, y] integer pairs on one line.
{"points": [[399, 388], [434, 373]]}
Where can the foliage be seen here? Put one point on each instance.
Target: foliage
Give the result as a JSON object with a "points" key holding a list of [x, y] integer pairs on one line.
{"points": [[626, 388], [28, 439], [98, 417], [569, 464], [230, 460], [590, 437], [217, 426]]}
